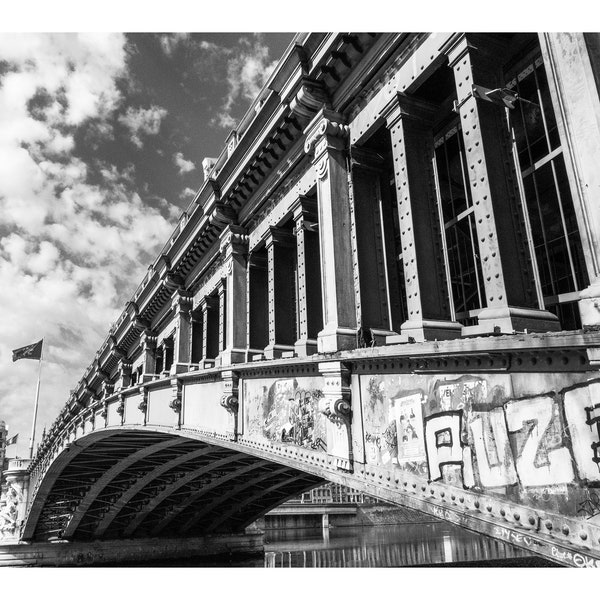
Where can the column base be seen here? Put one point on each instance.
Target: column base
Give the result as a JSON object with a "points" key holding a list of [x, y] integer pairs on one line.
{"points": [[379, 336], [509, 319], [253, 354], [305, 347], [426, 330], [177, 368], [336, 338], [589, 307], [276, 350], [232, 356]]}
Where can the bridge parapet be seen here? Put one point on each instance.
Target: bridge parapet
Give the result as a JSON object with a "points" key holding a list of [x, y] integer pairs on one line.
{"points": [[473, 437]]}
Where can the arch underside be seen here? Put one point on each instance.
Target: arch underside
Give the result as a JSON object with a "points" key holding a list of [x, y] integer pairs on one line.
{"points": [[138, 484]]}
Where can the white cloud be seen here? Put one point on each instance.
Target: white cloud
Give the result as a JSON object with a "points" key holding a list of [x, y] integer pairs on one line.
{"points": [[247, 71], [187, 194], [185, 166], [145, 121], [72, 249], [170, 41]]}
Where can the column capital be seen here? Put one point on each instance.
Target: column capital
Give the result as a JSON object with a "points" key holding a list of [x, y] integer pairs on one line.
{"points": [[278, 236], [402, 106], [484, 45], [326, 130], [148, 340], [258, 261], [305, 207], [209, 302], [182, 303], [233, 240]]}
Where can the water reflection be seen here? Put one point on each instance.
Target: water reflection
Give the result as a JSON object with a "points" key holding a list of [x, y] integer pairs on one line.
{"points": [[389, 546]]}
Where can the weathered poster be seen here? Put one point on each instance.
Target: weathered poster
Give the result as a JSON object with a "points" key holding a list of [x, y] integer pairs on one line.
{"points": [[409, 428]]}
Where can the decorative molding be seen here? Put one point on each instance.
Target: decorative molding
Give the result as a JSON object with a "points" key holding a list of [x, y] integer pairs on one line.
{"points": [[327, 129], [176, 395]]}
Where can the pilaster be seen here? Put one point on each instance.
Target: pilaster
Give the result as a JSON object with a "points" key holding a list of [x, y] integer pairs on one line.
{"points": [[209, 305], [572, 78], [378, 302], [337, 407], [326, 141], [148, 344], [310, 314], [506, 263], [429, 316], [230, 402], [234, 249], [257, 305], [281, 286], [182, 344], [123, 375]]}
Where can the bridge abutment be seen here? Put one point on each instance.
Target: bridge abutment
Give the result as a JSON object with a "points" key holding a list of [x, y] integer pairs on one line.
{"points": [[123, 552]]}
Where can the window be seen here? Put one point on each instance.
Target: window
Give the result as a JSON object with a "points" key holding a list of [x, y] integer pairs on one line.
{"points": [[548, 205], [460, 236]]}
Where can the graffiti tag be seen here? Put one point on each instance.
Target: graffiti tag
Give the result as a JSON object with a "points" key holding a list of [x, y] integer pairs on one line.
{"points": [[579, 560], [590, 507]]}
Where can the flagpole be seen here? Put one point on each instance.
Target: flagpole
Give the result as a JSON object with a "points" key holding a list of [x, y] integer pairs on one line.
{"points": [[35, 406]]}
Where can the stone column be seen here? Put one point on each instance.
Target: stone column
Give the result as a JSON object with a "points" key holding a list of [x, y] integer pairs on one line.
{"points": [[182, 344], [234, 248], [196, 345], [326, 138], [209, 306], [123, 375], [573, 78], [308, 273], [222, 297], [506, 262], [257, 320], [148, 344], [379, 302], [429, 316], [282, 292]]}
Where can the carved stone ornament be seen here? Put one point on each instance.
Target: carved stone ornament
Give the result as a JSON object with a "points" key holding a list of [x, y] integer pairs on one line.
{"points": [[230, 403], [321, 168], [327, 125], [121, 405], [176, 393], [143, 399], [104, 411], [339, 411]]}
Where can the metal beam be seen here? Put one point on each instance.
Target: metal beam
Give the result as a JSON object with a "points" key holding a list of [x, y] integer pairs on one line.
{"points": [[108, 476]]}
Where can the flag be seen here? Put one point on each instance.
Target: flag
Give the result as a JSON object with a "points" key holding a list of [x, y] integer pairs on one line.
{"points": [[501, 96], [33, 351], [12, 440]]}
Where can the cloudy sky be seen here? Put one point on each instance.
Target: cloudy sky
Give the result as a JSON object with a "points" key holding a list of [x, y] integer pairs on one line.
{"points": [[102, 137]]}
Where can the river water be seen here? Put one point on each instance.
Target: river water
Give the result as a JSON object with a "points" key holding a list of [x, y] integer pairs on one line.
{"points": [[408, 545]]}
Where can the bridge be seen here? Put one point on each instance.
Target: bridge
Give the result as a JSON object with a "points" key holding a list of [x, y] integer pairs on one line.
{"points": [[309, 322]]}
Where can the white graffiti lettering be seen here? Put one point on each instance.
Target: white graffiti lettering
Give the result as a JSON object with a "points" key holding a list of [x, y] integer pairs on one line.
{"points": [[579, 560], [585, 435], [492, 448], [442, 442], [537, 462]]}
